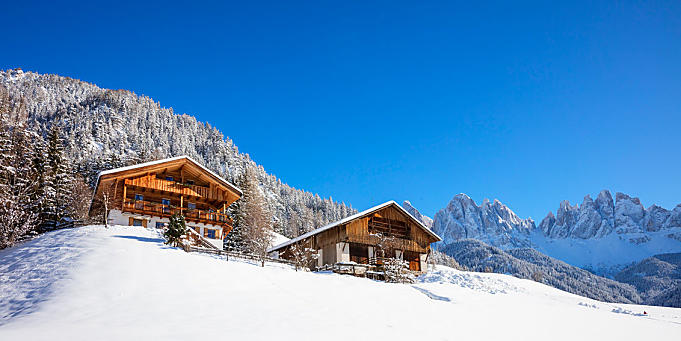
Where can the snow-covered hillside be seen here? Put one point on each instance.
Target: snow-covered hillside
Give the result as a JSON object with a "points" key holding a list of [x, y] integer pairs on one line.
{"points": [[123, 283]]}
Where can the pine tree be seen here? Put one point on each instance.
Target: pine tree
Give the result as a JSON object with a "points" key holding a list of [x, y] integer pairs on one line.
{"points": [[235, 240], [39, 169], [58, 182], [177, 228]]}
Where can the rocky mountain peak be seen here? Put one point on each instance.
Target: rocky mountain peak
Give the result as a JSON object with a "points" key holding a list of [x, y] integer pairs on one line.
{"points": [[599, 218], [414, 212], [493, 222]]}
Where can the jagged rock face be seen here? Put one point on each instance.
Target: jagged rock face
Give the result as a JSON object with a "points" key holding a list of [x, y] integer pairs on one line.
{"points": [[413, 211], [492, 222], [595, 219], [606, 208], [655, 218], [547, 224], [674, 219], [589, 220], [628, 214]]}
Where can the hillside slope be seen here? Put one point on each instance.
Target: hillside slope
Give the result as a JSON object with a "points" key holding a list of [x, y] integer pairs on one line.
{"points": [[657, 277], [123, 283], [104, 129]]}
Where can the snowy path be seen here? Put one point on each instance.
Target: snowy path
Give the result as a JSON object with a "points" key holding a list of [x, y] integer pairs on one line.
{"points": [[123, 283]]}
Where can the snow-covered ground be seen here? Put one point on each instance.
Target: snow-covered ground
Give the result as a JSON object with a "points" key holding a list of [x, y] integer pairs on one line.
{"points": [[609, 254], [122, 283]]}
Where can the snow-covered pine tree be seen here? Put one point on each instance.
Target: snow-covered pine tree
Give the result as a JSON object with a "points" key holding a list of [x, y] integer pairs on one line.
{"points": [[16, 178], [257, 218], [58, 181], [177, 228], [39, 169], [235, 240]]}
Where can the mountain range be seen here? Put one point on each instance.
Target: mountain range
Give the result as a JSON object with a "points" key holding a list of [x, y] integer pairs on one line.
{"points": [[602, 235]]}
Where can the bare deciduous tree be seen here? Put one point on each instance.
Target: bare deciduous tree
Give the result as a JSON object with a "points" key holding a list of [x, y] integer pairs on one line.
{"points": [[256, 218], [81, 194], [103, 203], [302, 255]]}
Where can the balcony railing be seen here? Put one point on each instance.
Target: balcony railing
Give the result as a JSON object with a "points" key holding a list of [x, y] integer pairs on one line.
{"points": [[175, 187], [394, 243], [161, 210]]}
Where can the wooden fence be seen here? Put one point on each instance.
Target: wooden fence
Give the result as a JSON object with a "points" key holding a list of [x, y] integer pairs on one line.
{"points": [[236, 255]]}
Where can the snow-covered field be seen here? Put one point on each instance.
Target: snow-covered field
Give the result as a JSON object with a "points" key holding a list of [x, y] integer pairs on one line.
{"points": [[122, 283]]}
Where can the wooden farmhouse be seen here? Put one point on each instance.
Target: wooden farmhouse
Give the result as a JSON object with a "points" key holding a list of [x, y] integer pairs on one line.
{"points": [[148, 194], [384, 231]]}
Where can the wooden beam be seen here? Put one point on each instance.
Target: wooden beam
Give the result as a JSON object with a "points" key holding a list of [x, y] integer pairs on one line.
{"points": [[115, 188], [125, 191]]}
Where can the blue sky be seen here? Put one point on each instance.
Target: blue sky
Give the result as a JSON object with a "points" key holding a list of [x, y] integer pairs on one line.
{"points": [[530, 103]]}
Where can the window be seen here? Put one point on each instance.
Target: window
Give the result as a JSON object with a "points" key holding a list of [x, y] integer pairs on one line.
{"points": [[160, 225], [137, 222], [166, 205], [191, 205], [170, 178], [210, 233], [139, 202]]}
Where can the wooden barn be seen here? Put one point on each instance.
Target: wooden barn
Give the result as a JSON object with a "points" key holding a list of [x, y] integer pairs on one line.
{"points": [[148, 194], [384, 231]]}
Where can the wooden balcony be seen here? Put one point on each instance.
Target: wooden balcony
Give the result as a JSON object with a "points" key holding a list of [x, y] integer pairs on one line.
{"points": [[395, 243], [153, 183], [155, 209]]}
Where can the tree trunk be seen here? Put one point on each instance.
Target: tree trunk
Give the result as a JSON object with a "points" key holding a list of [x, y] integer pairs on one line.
{"points": [[106, 215]]}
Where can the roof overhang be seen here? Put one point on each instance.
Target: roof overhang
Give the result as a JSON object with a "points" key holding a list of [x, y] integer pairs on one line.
{"points": [[219, 179]]}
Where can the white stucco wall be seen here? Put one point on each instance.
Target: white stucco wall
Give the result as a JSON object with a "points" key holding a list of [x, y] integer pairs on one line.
{"points": [[342, 252], [116, 217], [422, 261]]}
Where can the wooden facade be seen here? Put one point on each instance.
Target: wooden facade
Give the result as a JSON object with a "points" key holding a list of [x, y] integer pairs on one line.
{"points": [[154, 191], [384, 231]]}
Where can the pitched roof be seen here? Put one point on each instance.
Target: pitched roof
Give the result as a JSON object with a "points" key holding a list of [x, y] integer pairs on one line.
{"points": [[152, 163], [351, 218]]}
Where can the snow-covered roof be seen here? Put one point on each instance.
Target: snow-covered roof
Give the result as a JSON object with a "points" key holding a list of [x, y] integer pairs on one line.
{"points": [[152, 163], [351, 218]]}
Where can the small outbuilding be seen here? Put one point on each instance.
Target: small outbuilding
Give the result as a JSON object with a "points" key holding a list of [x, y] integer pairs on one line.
{"points": [[383, 231]]}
